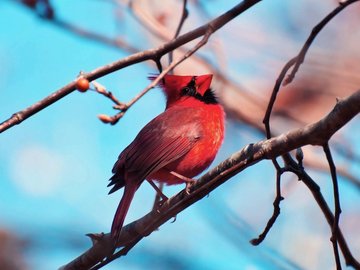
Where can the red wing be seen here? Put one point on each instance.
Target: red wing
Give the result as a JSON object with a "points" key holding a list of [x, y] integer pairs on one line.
{"points": [[152, 152], [159, 143]]}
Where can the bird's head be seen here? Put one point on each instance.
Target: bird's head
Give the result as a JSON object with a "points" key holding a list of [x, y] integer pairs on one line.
{"points": [[178, 87]]}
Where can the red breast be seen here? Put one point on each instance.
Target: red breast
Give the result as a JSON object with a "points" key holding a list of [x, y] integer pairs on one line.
{"points": [[210, 120]]}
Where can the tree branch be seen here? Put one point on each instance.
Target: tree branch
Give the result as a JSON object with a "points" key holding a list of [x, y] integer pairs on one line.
{"points": [[315, 190], [114, 119], [314, 134], [316, 30], [297, 61], [151, 54], [335, 225], [276, 205], [80, 31], [184, 15]]}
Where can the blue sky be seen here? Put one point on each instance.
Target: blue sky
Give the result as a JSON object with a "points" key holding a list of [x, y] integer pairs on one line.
{"points": [[54, 166]]}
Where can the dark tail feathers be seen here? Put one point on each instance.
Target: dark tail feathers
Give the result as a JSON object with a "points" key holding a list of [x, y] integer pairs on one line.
{"points": [[121, 211]]}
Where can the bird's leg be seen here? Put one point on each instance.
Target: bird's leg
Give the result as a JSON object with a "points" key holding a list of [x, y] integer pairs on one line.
{"points": [[158, 190], [188, 181], [159, 194]]}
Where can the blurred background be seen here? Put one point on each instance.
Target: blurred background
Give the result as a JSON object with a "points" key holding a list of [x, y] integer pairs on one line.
{"points": [[54, 167]]}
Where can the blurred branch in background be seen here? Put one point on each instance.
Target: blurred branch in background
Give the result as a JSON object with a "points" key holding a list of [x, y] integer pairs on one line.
{"points": [[284, 110], [330, 71], [153, 54], [314, 134], [11, 251]]}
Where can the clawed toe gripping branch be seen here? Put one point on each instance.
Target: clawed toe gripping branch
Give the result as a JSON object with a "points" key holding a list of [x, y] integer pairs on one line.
{"points": [[313, 134]]}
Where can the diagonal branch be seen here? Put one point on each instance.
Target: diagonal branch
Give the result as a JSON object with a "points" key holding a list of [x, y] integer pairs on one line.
{"points": [[184, 15], [297, 61], [316, 30], [319, 198], [74, 29], [172, 65], [151, 54], [313, 134]]}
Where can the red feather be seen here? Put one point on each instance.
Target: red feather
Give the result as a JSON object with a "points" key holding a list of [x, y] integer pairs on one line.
{"points": [[185, 138]]}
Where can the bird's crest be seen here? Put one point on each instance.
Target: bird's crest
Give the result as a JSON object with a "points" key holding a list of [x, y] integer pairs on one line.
{"points": [[173, 85]]}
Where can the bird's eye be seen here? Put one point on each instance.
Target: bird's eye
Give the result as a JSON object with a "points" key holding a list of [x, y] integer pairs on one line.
{"points": [[188, 91]]}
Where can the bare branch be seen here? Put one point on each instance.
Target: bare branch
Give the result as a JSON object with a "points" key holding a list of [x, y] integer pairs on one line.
{"points": [[342, 171], [315, 190], [274, 93], [124, 107], [316, 30], [152, 54], [82, 32], [313, 134], [184, 15], [335, 225], [276, 212], [161, 75], [297, 62]]}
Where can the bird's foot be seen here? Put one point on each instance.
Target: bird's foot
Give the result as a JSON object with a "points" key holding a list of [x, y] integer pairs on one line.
{"points": [[158, 204], [188, 181], [189, 184]]}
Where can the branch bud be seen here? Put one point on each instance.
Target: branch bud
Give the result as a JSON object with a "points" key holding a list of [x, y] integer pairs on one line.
{"points": [[105, 118]]}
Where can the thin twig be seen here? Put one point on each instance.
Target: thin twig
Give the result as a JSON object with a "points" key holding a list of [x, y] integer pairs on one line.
{"points": [[99, 88], [157, 30], [274, 93], [278, 198], [315, 190], [87, 34], [125, 107], [276, 212], [314, 134], [315, 31], [297, 62], [335, 225], [184, 15], [172, 65], [151, 54]]}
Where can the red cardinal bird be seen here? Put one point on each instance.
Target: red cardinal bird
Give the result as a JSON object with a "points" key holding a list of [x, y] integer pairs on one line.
{"points": [[175, 146]]}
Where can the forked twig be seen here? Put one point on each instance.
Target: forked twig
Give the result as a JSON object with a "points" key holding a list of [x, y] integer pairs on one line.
{"points": [[298, 60], [172, 65], [315, 134], [276, 204], [315, 31], [335, 225], [151, 54], [320, 200]]}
